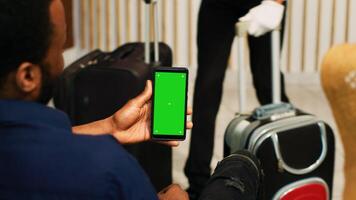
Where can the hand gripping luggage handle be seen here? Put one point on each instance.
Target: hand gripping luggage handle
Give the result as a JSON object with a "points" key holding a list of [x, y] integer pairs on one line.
{"points": [[242, 31], [148, 30], [282, 165]]}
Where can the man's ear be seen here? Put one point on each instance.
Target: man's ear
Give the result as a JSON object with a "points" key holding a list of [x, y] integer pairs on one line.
{"points": [[28, 78]]}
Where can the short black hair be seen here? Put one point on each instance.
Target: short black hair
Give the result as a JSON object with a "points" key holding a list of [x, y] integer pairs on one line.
{"points": [[25, 33]]}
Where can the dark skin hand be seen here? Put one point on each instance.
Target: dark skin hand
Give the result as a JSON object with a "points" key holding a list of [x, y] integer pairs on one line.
{"points": [[173, 192], [131, 124], [133, 121]]}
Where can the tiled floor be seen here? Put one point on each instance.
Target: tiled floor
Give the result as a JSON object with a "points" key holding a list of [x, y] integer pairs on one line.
{"points": [[308, 97]]}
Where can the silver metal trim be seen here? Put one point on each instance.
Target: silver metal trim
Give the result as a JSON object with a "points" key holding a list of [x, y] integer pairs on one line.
{"points": [[156, 28], [288, 188], [312, 167], [261, 131], [271, 132], [242, 81], [276, 63], [241, 31], [147, 33], [235, 136]]}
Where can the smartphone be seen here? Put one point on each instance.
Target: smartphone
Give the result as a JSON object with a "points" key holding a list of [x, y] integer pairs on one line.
{"points": [[169, 103]]}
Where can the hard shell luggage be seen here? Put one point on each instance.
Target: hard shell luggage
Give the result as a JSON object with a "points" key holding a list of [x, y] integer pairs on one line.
{"points": [[98, 84], [296, 149]]}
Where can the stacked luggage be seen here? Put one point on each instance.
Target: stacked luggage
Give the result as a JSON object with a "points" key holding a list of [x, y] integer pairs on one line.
{"points": [[296, 149]]}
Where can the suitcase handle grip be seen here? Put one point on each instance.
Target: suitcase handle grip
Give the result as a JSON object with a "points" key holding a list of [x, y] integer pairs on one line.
{"points": [[284, 166], [274, 111]]}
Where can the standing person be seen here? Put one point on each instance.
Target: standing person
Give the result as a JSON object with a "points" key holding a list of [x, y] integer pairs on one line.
{"points": [[216, 31]]}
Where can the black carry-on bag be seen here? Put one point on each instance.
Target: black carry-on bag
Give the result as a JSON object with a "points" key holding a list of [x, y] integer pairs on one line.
{"points": [[97, 85], [296, 149]]}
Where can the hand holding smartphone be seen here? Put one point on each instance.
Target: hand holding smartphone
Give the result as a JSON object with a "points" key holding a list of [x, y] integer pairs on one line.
{"points": [[169, 103]]}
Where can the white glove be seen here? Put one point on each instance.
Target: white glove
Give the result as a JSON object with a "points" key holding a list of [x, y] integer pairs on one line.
{"points": [[264, 17]]}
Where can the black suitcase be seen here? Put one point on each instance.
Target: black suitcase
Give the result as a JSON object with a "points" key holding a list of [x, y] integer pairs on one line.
{"points": [[98, 84], [296, 149], [105, 77]]}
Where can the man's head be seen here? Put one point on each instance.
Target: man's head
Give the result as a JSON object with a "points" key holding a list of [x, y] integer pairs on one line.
{"points": [[31, 44]]}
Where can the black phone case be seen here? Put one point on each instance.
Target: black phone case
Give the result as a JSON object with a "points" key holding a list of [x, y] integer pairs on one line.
{"points": [[171, 69]]}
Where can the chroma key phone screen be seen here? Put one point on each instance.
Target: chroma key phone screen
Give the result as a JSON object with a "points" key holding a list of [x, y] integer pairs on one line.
{"points": [[169, 103]]}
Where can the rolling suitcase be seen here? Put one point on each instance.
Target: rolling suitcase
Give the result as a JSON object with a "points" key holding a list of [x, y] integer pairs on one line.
{"points": [[97, 85], [296, 149]]}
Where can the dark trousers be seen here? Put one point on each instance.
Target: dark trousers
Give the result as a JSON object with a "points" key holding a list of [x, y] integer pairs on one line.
{"points": [[237, 176], [216, 31]]}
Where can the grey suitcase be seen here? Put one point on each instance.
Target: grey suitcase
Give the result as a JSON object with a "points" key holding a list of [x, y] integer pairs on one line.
{"points": [[296, 149]]}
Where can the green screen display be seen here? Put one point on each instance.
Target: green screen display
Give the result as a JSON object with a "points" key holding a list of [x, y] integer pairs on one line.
{"points": [[169, 103]]}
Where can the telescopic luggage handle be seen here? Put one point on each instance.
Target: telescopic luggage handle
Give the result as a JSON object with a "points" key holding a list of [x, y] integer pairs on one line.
{"points": [[276, 65], [242, 32], [148, 30]]}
